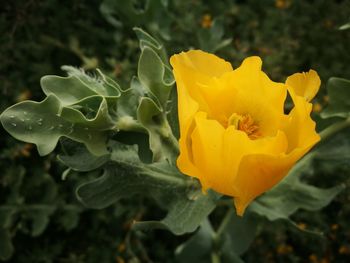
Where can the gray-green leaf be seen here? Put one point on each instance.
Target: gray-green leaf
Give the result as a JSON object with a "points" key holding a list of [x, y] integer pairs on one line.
{"points": [[339, 98]]}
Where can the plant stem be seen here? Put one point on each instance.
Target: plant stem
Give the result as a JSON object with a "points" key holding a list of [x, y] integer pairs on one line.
{"points": [[167, 133], [215, 256], [174, 143], [334, 128], [173, 179], [225, 222]]}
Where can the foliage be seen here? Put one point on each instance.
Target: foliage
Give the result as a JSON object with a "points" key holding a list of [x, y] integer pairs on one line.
{"points": [[36, 44]]}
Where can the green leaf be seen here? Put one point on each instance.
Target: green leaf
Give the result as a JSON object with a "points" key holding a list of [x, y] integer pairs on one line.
{"points": [[68, 90], [92, 112], [161, 139], [78, 158], [333, 154], [345, 26], [186, 214], [339, 98], [146, 40], [6, 248], [140, 139], [40, 123], [126, 176], [152, 14], [204, 244], [239, 233], [197, 249], [6, 216], [78, 85], [173, 115], [211, 39], [154, 76], [39, 217], [100, 84], [127, 107], [69, 216]]}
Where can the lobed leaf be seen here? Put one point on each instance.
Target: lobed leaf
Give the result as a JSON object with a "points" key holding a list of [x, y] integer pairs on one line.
{"points": [[204, 245], [160, 133], [41, 123], [146, 40], [339, 98], [125, 176], [78, 158], [79, 107], [197, 248], [154, 76]]}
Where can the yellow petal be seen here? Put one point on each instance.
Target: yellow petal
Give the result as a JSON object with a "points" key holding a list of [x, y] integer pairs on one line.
{"points": [[191, 69], [248, 90], [187, 108], [258, 173], [201, 62], [207, 147], [196, 68], [237, 146], [185, 160], [217, 152], [305, 84], [299, 127]]}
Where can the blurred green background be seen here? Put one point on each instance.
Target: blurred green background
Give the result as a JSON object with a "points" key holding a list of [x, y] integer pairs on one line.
{"points": [[40, 218]]}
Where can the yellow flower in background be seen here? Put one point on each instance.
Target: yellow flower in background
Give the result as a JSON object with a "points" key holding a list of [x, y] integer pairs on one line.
{"points": [[206, 21], [283, 4], [234, 135]]}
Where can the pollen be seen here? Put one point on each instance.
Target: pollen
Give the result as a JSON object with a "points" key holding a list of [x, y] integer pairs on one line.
{"points": [[246, 124]]}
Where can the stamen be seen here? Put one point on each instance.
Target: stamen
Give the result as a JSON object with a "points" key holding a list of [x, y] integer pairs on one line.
{"points": [[245, 123], [248, 125]]}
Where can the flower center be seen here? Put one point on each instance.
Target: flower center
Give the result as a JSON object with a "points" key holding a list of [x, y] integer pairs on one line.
{"points": [[246, 124]]}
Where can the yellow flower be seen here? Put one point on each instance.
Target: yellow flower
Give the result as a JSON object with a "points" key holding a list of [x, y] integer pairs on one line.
{"points": [[317, 107], [282, 4], [234, 135], [206, 21]]}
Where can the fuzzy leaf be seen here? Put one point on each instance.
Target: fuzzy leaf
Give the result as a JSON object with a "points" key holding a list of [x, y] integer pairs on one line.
{"points": [[154, 76], [160, 133], [146, 40], [201, 246], [78, 158], [197, 249], [240, 233], [339, 98], [40, 123], [126, 176]]}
